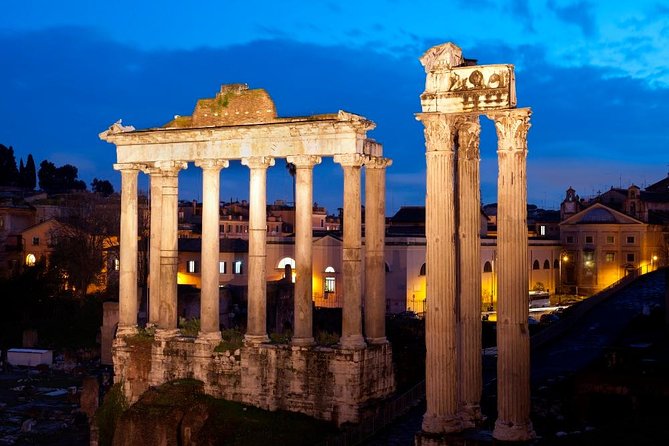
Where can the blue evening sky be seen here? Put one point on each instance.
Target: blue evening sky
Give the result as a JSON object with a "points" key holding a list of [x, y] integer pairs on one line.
{"points": [[596, 74]]}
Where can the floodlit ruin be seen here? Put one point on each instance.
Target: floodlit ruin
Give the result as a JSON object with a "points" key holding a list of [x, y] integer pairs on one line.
{"points": [[456, 93], [242, 124]]}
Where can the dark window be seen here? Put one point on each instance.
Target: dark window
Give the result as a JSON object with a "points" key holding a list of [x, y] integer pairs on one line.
{"points": [[570, 239], [535, 265], [556, 263], [630, 239], [387, 268], [487, 267], [547, 264], [35, 241], [422, 270], [630, 257], [588, 239]]}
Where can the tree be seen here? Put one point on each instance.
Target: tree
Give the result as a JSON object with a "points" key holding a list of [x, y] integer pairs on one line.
{"points": [[30, 175], [102, 187], [55, 180], [9, 174]]}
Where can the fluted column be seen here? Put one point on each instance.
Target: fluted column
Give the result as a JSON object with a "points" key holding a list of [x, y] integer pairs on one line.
{"points": [[469, 247], [154, 243], [128, 250], [513, 340], [256, 327], [351, 336], [441, 415], [303, 319], [169, 249], [375, 238], [209, 294]]}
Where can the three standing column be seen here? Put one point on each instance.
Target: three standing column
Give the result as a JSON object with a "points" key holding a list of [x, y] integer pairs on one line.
{"points": [[513, 339], [351, 336], [154, 244], [441, 415], [128, 250], [209, 293], [303, 319], [256, 329], [375, 232]]}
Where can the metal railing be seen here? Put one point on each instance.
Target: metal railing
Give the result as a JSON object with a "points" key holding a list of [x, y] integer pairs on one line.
{"points": [[385, 414]]}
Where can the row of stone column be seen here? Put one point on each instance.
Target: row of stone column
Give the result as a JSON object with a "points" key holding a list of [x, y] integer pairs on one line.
{"points": [[163, 249], [453, 327]]}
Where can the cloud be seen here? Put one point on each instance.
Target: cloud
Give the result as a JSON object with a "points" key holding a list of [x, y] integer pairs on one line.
{"points": [[579, 13]]}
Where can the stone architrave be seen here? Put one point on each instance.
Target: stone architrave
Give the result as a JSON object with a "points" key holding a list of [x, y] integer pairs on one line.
{"points": [[441, 414], [209, 259], [469, 246], [303, 319], [128, 250], [375, 230], [169, 254], [513, 339], [156, 194], [351, 337], [256, 328]]}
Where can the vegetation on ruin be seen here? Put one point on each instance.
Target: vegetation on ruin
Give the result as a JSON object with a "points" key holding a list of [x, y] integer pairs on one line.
{"points": [[232, 339], [327, 338], [189, 327], [108, 414]]}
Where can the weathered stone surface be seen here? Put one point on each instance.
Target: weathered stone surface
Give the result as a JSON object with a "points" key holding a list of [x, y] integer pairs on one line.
{"points": [[325, 383]]}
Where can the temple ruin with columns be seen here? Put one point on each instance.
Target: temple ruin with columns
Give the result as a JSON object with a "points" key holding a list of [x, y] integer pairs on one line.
{"points": [[242, 124], [457, 92]]}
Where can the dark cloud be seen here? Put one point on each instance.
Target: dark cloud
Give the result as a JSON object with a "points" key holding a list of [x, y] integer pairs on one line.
{"points": [[62, 87], [579, 13]]}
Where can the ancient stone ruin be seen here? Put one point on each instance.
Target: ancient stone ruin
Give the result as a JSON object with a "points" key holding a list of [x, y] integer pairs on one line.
{"points": [[456, 93], [242, 124]]}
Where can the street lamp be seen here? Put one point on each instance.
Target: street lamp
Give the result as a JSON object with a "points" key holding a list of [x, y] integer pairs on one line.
{"points": [[653, 261], [563, 258]]}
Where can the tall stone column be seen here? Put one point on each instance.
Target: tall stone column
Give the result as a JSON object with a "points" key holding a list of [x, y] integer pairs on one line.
{"points": [[209, 294], [256, 327], [375, 242], [513, 340], [127, 324], [154, 244], [351, 336], [169, 249], [470, 381], [303, 321], [441, 362]]}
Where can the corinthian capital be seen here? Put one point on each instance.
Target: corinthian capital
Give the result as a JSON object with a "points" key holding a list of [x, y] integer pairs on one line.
{"points": [[469, 136], [303, 161], [170, 168], [512, 127], [377, 162], [258, 162], [440, 129], [215, 164], [350, 159]]}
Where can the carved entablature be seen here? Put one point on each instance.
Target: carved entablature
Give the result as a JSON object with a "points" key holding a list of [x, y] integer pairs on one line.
{"points": [[470, 89], [512, 127], [440, 130], [469, 132]]}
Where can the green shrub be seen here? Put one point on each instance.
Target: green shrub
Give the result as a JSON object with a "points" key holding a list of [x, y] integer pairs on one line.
{"points": [[108, 414]]}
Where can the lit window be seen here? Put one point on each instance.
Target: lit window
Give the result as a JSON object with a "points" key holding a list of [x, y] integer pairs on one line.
{"points": [[286, 261], [329, 285], [191, 266], [30, 260], [117, 265], [610, 257], [35, 241], [588, 239], [221, 267], [630, 239], [238, 267], [610, 239], [542, 230], [329, 269]]}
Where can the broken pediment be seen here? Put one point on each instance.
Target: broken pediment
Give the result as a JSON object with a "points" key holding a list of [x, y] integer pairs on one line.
{"points": [[234, 104]]}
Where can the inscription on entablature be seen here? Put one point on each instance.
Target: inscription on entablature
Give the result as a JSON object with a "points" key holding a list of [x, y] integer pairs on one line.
{"points": [[469, 89]]}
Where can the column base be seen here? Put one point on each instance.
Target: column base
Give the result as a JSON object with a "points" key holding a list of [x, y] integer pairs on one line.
{"points": [[213, 337], [354, 342], [471, 415], [302, 342], [435, 424], [255, 339], [163, 334], [126, 330], [377, 341], [510, 431]]}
